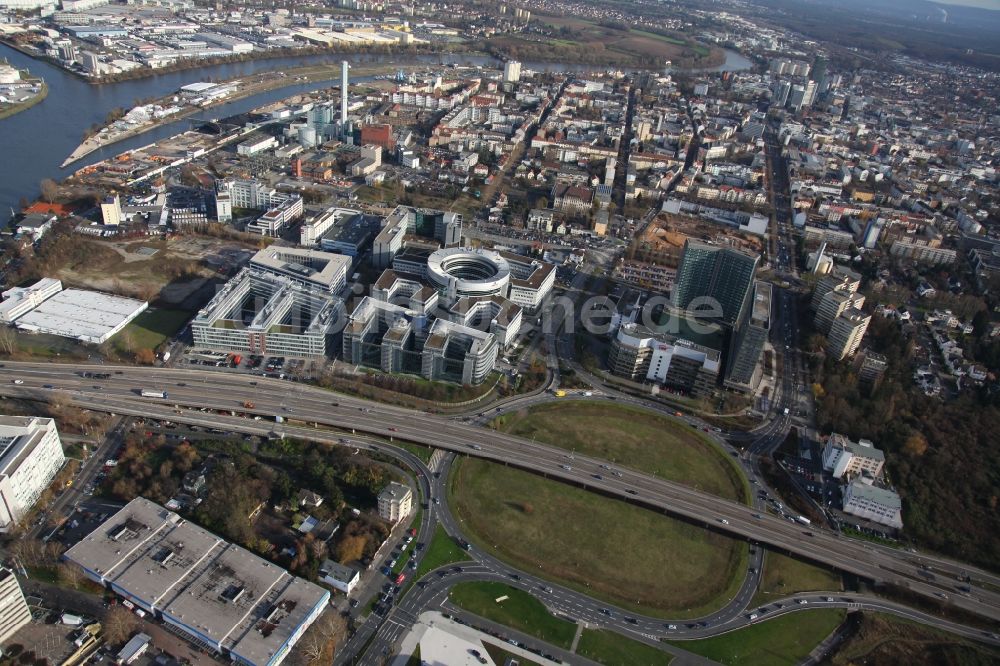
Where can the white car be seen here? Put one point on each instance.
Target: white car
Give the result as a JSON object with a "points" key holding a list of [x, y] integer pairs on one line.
{"points": [[18, 381]]}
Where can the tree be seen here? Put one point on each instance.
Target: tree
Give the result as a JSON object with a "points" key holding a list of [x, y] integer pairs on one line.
{"points": [[145, 356], [8, 340], [70, 574], [351, 548], [49, 189], [915, 445], [119, 625], [321, 639]]}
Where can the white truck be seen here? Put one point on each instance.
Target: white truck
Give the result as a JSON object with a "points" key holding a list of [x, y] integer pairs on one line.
{"points": [[803, 520], [150, 393]]}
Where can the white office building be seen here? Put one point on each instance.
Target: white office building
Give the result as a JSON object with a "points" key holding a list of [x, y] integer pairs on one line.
{"points": [[18, 301], [879, 505], [842, 456], [31, 455], [14, 611]]}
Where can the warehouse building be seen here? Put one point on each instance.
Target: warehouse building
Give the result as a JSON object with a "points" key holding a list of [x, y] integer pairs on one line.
{"points": [[217, 595], [87, 316]]}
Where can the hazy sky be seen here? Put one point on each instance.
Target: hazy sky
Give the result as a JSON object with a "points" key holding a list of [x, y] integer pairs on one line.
{"points": [[985, 4]]}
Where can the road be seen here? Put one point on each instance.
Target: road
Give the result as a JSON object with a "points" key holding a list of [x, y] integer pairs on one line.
{"points": [[220, 391]]}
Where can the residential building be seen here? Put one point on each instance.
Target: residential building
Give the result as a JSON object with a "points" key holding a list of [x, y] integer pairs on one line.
{"points": [[879, 505], [846, 333], [395, 502], [14, 611], [722, 276], [838, 279], [217, 595], [871, 369], [339, 576], [842, 456], [31, 455], [834, 304], [512, 71], [111, 210]]}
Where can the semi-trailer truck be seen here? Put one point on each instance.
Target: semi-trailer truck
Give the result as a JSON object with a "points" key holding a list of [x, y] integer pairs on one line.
{"points": [[150, 393]]}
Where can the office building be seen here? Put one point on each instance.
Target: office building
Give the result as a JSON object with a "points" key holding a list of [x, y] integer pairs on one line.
{"points": [[18, 301], [832, 305], [31, 455], [512, 71], [879, 505], [395, 502], [640, 354], [14, 611], [842, 456], [280, 209], [780, 92], [111, 210], [339, 576], [309, 268], [217, 595], [743, 367], [717, 278], [444, 227], [260, 312], [846, 333]]}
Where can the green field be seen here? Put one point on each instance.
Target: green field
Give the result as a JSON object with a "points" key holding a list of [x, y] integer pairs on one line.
{"points": [[784, 640], [634, 438], [151, 328], [785, 575], [614, 649], [612, 550], [440, 551], [520, 611]]}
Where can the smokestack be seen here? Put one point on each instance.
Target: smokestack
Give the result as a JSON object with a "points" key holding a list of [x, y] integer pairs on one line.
{"points": [[343, 93]]}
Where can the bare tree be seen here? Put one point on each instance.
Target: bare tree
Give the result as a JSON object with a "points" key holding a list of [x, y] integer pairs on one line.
{"points": [[70, 574], [119, 625], [321, 639], [50, 190], [8, 340]]}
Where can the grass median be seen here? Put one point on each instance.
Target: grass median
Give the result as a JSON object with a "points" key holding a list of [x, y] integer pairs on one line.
{"points": [[629, 556], [634, 438], [784, 575], [513, 608], [787, 639], [440, 551], [611, 649]]}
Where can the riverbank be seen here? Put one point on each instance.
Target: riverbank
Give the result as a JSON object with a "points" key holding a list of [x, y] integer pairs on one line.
{"points": [[246, 87], [188, 64], [15, 109]]}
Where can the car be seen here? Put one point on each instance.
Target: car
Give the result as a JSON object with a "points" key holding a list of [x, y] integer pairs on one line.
{"points": [[632, 620], [828, 599], [18, 381], [605, 611], [723, 521], [672, 627], [802, 601]]}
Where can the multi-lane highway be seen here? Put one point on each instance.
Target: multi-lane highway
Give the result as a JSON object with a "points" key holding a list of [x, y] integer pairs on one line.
{"points": [[219, 391]]}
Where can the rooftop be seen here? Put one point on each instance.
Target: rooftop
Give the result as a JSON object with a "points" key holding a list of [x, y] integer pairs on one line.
{"points": [[220, 592]]}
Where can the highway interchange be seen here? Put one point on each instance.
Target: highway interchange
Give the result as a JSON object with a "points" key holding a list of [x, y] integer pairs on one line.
{"points": [[193, 390]]}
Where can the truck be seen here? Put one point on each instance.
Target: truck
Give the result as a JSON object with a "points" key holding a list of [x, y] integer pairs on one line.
{"points": [[71, 620], [150, 393], [803, 520], [559, 393]]}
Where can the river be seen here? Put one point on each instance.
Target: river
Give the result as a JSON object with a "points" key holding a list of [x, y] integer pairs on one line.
{"points": [[35, 142]]}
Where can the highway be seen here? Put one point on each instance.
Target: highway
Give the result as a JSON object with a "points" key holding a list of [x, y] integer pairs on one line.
{"points": [[310, 405]]}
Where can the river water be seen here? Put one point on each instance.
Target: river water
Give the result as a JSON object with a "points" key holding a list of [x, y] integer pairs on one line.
{"points": [[35, 142]]}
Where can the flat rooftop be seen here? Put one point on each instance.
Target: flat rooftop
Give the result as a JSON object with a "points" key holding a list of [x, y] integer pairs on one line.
{"points": [[90, 316], [213, 590], [305, 265]]}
